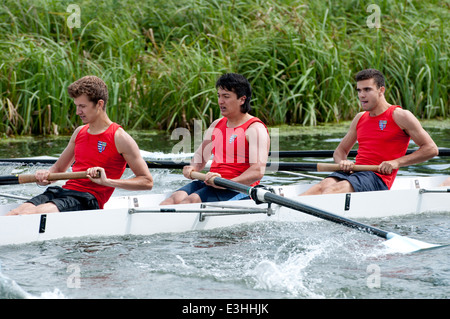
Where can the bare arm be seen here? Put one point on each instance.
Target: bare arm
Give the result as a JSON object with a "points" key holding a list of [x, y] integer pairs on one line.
{"points": [[345, 146], [202, 154], [62, 164], [259, 145], [127, 146], [427, 148]]}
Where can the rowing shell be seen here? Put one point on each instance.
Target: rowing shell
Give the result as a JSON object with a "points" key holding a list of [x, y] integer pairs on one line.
{"points": [[138, 215]]}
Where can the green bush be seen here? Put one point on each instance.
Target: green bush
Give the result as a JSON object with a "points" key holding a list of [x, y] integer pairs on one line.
{"points": [[160, 59]]}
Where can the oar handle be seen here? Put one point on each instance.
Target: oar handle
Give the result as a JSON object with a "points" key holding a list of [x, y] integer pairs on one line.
{"points": [[198, 175], [30, 178], [321, 167], [325, 167]]}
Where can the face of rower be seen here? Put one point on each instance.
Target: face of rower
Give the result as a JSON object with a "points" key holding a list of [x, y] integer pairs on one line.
{"points": [[229, 103], [369, 95], [87, 111]]}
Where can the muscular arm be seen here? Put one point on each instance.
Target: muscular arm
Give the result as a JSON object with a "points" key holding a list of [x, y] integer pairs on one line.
{"points": [[62, 164], [202, 154], [126, 146], [259, 145], [67, 157], [427, 148], [345, 146]]}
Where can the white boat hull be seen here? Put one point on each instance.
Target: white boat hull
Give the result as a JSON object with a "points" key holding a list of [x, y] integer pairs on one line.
{"points": [[139, 215]]}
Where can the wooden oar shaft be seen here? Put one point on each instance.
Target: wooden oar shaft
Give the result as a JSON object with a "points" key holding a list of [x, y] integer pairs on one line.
{"points": [[30, 178], [289, 166], [293, 204], [325, 167]]}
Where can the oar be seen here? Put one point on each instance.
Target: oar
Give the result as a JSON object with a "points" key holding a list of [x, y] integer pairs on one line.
{"points": [[303, 175], [285, 154], [329, 153], [272, 166], [30, 178], [285, 166], [272, 154], [395, 241]]}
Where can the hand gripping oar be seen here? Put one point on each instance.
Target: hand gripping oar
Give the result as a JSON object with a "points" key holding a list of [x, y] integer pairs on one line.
{"points": [[30, 178], [394, 241]]}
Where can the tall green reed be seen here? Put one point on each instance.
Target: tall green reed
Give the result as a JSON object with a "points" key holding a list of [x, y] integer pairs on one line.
{"points": [[160, 59]]}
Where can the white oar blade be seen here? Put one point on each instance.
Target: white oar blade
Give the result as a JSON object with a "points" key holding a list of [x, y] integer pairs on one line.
{"points": [[402, 244]]}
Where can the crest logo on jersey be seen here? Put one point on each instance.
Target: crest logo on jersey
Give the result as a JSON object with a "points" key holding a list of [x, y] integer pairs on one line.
{"points": [[232, 138], [382, 124], [101, 146]]}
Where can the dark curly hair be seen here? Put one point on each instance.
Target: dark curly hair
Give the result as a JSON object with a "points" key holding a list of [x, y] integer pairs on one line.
{"points": [[94, 88]]}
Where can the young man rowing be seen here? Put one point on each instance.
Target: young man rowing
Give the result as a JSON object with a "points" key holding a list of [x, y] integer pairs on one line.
{"points": [[99, 146], [239, 143], [383, 132]]}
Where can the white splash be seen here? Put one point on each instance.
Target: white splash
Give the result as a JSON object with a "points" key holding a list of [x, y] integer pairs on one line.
{"points": [[289, 276], [10, 289]]}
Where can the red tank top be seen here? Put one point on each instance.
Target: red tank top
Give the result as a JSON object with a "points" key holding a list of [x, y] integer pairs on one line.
{"points": [[230, 149], [380, 139], [97, 150]]}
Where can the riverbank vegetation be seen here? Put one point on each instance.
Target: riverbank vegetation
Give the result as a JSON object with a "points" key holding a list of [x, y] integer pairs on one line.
{"points": [[161, 58]]}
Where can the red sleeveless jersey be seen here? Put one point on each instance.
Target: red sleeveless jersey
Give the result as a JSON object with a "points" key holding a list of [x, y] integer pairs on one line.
{"points": [[97, 150], [230, 149], [380, 139]]}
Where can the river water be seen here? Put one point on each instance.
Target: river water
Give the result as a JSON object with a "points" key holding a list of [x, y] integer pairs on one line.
{"points": [[262, 261]]}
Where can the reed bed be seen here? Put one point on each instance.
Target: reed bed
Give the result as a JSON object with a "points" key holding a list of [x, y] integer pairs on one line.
{"points": [[161, 58]]}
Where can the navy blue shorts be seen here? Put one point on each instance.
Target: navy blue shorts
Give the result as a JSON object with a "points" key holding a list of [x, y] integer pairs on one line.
{"points": [[362, 181], [65, 199], [211, 194]]}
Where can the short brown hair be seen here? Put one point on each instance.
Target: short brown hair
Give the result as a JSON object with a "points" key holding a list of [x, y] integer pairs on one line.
{"points": [[374, 74], [94, 88]]}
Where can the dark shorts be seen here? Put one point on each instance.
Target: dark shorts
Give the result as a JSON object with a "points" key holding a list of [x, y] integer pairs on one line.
{"points": [[66, 200], [211, 194], [362, 181]]}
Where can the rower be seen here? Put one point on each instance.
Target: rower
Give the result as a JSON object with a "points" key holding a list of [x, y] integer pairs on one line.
{"points": [[383, 132], [239, 143], [98, 146]]}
